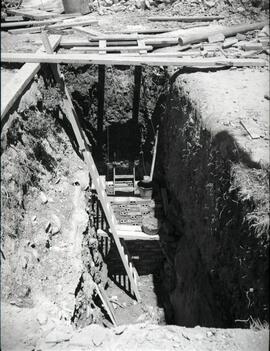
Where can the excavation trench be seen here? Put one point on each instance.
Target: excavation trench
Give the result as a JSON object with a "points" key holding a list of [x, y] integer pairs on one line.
{"points": [[203, 269]]}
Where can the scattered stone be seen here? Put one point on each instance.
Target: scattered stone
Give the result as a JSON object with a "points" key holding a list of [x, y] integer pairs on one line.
{"points": [[56, 227], [98, 336], [120, 329], [42, 318], [48, 226], [57, 181], [43, 197], [82, 177], [210, 3], [240, 36]]}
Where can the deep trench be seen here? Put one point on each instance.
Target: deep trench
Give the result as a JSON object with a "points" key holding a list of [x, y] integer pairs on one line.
{"points": [[189, 290]]}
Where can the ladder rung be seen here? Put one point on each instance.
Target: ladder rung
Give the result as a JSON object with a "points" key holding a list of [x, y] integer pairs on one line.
{"points": [[124, 176]]}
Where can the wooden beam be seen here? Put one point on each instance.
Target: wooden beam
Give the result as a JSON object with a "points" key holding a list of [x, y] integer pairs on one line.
{"points": [[113, 48], [154, 157], [15, 88], [31, 13], [136, 94], [148, 31], [130, 235], [30, 23], [122, 60], [186, 18], [69, 42], [100, 112], [64, 24], [34, 23]]}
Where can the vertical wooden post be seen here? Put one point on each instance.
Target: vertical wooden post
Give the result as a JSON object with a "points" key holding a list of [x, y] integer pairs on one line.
{"points": [[100, 122], [137, 91]]}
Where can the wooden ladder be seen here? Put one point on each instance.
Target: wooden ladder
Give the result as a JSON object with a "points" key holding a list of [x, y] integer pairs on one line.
{"points": [[123, 179], [84, 149]]}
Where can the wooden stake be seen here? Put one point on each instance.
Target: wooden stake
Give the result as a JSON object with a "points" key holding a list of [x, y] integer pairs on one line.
{"points": [[101, 86], [137, 91], [154, 157]]}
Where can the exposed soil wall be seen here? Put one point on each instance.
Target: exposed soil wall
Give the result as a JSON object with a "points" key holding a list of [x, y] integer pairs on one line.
{"points": [[215, 235], [47, 252]]}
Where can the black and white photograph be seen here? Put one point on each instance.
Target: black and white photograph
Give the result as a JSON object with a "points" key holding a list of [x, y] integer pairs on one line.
{"points": [[135, 175]]}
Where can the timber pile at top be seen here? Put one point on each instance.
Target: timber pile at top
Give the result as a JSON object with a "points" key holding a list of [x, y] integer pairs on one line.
{"points": [[195, 41]]}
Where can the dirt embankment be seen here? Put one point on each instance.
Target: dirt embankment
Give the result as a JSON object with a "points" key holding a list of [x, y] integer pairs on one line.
{"points": [[216, 233], [44, 220]]}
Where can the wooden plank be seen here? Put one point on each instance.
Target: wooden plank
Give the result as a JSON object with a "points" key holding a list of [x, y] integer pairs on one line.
{"points": [[130, 235], [154, 156], [33, 23], [64, 24], [88, 159], [31, 13], [13, 19], [106, 303], [126, 61], [137, 93], [87, 31], [123, 199], [30, 23], [141, 43], [185, 18], [100, 112], [252, 128], [14, 89], [148, 31], [87, 49], [126, 227], [75, 42], [102, 45]]}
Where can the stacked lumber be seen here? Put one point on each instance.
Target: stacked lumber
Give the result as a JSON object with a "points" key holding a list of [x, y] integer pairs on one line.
{"points": [[27, 20]]}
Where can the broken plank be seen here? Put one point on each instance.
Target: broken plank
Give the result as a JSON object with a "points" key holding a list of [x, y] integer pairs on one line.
{"points": [[117, 59], [186, 18], [14, 88], [87, 31], [251, 127], [31, 13]]}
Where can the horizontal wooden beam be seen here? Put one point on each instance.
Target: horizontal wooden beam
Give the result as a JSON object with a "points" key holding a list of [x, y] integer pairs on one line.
{"points": [[117, 59], [130, 235], [35, 23], [66, 24], [185, 18], [69, 42], [112, 48], [15, 87]]}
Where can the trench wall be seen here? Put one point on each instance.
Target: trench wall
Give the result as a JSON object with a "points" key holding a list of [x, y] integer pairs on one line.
{"points": [[215, 235]]}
